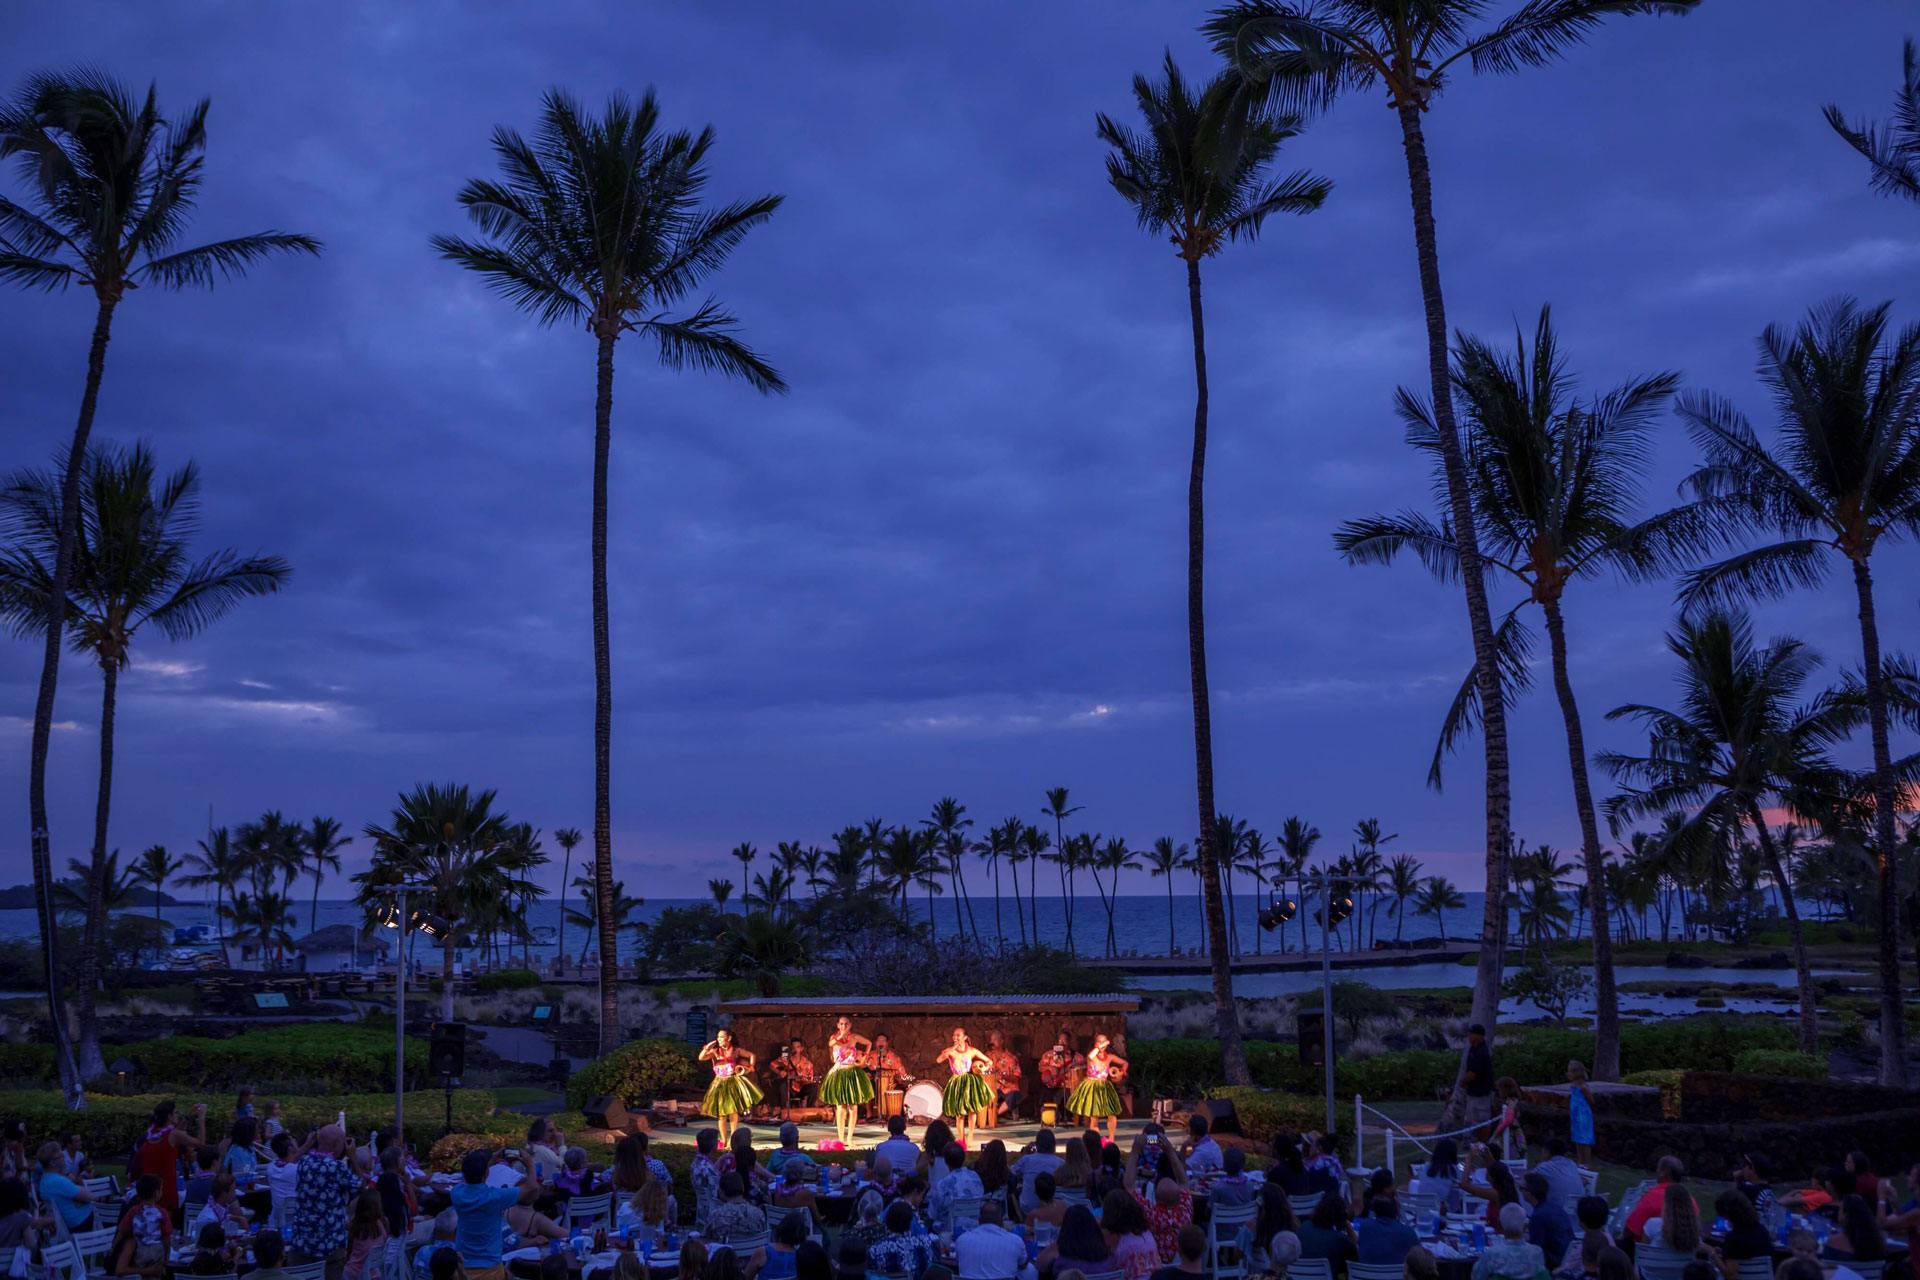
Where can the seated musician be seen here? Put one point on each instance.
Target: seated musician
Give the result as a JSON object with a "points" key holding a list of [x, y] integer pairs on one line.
{"points": [[795, 1071], [1005, 1075], [1057, 1067], [889, 1072]]}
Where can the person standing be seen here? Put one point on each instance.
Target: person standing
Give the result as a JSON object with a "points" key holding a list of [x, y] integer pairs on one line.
{"points": [[732, 1093], [1096, 1098], [159, 1151], [480, 1211], [324, 1187], [967, 1090], [1580, 1112], [1005, 1076], [1476, 1083], [848, 1086]]}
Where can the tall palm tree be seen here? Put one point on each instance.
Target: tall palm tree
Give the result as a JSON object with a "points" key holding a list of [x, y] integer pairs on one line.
{"points": [[1196, 172], [1115, 857], [1253, 860], [1059, 810], [1437, 897], [264, 918], [1002, 842], [1163, 860], [154, 868], [721, 890], [109, 185], [600, 221], [1893, 150], [1229, 837], [1554, 482], [744, 853], [130, 566], [568, 838], [1297, 55], [1297, 838], [594, 922], [1402, 885], [948, 825], [216, 865], [1033, 847], [450, 837], [323, 843], [1738, 742], [1842, 479]]}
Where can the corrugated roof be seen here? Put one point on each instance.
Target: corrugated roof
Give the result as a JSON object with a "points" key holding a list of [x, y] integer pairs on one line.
{"points": [[829, 1003]]}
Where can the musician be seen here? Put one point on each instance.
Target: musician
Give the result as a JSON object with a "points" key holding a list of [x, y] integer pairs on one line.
{"points": [[1056, 1070], [1005, 1077], [967, 1090], [1095, 1098], [889, 1072], [797, 1075]]}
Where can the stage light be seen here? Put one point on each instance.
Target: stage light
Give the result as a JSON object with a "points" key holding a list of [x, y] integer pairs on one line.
{"points": [[432, 925], [1278, 913]]}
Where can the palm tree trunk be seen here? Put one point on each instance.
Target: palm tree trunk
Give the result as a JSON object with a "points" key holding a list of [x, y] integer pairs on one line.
{"points": [[560, 935], [40, 841], [1893, 1033], [1803, 972], [1226, 1017], [1606, 1000], [603, 700], [999, 933], [1493, 713], [92, 1064], [1170, 946], [446, 975]]}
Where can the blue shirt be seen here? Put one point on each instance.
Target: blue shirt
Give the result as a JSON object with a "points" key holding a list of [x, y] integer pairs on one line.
{"points": [[423, 1260], [1383, 1242], [243, 1163], [1550, 1228], [483, 1219], [60, 1190]]}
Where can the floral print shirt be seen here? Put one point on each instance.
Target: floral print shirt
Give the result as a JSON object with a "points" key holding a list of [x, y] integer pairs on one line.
{"points": [[323, 1191]]}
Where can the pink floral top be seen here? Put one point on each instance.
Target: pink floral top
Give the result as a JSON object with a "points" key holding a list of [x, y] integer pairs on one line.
{"points": [[723, 1067], [845, 1053], [1096, 1066]]}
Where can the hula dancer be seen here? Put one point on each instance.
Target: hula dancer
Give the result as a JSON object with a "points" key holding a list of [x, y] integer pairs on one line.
{"points": [[1096, 1098], [967, 1090], [732, 1093], [847, 1087]]}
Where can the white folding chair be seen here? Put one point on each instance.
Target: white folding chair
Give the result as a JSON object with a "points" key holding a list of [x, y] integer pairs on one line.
{"points": [[1418, 1205], [189, 1211], [1660, 1264], [308, 1271], [745, 1245], [1103, 1275], [1310, 1269], [93, 1245], [103, 1187], [588, 1211], [1071, 1196], [1223, 1235], [1370, 1271], [107, 1212], [1755, 1269], [61, 1258], [1303, 1207], [964, 1213], [1589, 1180], [1867, 1270], [777, 1214]]}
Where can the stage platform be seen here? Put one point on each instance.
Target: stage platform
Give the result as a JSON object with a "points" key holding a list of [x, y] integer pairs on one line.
{"points": [[766, 1134]]}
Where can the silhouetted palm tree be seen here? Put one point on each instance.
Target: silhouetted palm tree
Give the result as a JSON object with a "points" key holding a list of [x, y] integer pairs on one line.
{"points": [[1892, 150], [1842, 479], [1297, 839], [599, 221], [1554, 482], [1302, 55], [154, 868], [568, 838], [1437, 897], [1738, 742], [111, 185], [323, 843], [1402, 885], [1059, 810], [131, 567], [1164, 859], [1196, 172]]}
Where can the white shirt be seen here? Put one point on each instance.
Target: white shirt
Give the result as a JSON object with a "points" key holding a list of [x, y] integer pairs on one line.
{"points": [[1206, 1157], [900, 1153], [989, 1253], [282, 1177], [1029, 1167]]}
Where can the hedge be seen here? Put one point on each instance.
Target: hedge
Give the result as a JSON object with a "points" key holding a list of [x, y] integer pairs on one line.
{"points": [[314, 1057], [637, 1072], [1265, 1113], [1187, 1068], [506, 980], [111, 1123], [1781, 1062]]}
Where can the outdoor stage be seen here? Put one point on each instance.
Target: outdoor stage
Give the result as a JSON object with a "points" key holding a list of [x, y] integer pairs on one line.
{"points": [[766, 1134]]}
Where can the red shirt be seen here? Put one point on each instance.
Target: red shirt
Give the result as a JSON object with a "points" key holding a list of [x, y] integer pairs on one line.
{"points": [[1165, 1222], [1649, 1207]]}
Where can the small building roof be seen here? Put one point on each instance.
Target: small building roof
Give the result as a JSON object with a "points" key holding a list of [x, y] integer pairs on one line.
{"points": [[338, 937]]}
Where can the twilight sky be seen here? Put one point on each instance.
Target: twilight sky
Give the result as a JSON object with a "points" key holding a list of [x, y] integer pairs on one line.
{"points": [[952, 560]]}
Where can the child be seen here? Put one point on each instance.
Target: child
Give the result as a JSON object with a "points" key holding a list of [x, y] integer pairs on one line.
{"points": [[271, 1125], [78, 1166], [366, 1237], [1509, 1127], [283, 1176], [211, 1256], [223, 1207], [1580, 1113], [243, 1105], [144, 1234]]}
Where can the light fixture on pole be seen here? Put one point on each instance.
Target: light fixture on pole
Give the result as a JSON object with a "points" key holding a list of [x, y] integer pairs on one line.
{"points": [[398, 919], [1336, 906]]}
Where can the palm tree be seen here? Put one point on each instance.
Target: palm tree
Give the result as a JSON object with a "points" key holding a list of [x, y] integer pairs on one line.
{"points": [[105, 883], [1115, 857], [1197, 173], [1253, 860], [1734, 745], [762, 947], [1842, 478], [744, 853], [323, 843], [948, 825], [110, 184], [721, 891], [1437, 897], [594, 921], [1297, 838], [1229, 837], [1164, 859], [1554, 482], [1033, 847], [219, 866], [568, 838], [600, 222], [262, 918], [130, 566], [1402, 885], [1059, 810], [450, 837], [1302, 54], [1368, 866], [153, 869], [1893, 153], [1002, 841]]}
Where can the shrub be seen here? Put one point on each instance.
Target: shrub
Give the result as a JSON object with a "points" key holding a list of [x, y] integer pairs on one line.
{"points": [[1667, 1080], [447, 1152], [1780, 1062], [636, 1072], [317, 1057], [1264, 1113], [506, 980]]}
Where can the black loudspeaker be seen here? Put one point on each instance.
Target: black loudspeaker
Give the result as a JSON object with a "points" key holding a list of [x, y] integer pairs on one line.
{"points": [[447, 1050], [1221, 1117], [1313, 1039], [606, 1111]]}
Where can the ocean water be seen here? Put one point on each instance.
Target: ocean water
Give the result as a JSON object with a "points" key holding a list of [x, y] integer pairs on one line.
{"points": [[1141, 923]]}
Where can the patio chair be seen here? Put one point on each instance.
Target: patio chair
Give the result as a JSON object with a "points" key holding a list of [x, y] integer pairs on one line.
{"points": [[1223, 1235], [1660, 1264], [587, 1211], [1310, 1269], [1371, 1271]]}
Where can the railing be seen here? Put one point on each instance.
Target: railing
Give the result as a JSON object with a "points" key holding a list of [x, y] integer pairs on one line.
{"points": [[1393, 1132]]}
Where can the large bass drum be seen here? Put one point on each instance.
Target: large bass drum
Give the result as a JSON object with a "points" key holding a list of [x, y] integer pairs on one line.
{"points": [[924, 1101]]}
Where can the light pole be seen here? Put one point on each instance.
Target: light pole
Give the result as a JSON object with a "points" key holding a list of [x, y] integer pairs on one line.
{"points": [[1276, 915], [398, 921]]}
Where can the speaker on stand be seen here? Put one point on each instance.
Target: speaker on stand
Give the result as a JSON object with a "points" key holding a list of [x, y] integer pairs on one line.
{"points": [[447, 1058]]}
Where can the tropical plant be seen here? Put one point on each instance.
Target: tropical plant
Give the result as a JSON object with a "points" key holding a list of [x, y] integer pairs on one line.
{"points": [[1738, 742], [322, 843], [154, 868], [216, 865], [1893, 150], [1842, 478], [1298, 55], [568, 838], [721, 890], [1196, 172], [1297, 839], [1059, 810], [1437, 897], [109, 187], [1402, 885], [1114, 857], [1165, 859], [447, 837], [592, 920], [600, 221], [948, 826], [1554, 481], [104, 883], [264, 918], [762, 947]]}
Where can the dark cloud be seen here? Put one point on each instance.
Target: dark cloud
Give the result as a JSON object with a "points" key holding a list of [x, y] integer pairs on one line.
{"points": [[951, 561]]}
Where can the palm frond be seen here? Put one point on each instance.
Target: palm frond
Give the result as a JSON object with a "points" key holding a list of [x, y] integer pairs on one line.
{"points": [[706, 340], [1541, 31], [1892, 150], [1513, 654], [1760, 573], [202, 265]]}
